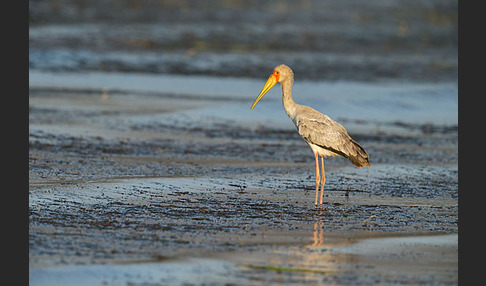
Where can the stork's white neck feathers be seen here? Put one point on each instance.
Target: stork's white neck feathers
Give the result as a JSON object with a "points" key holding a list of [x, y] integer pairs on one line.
{"points": [[288, 102]]}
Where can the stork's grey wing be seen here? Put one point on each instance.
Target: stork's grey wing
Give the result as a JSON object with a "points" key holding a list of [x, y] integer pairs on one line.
{"points": [[322, 134], [320, 130]]}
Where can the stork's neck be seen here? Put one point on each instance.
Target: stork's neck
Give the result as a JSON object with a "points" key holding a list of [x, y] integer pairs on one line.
{"points": [[289, 104]]}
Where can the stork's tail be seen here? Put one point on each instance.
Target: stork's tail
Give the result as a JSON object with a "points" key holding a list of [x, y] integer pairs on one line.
{"points": [[358, 156]]}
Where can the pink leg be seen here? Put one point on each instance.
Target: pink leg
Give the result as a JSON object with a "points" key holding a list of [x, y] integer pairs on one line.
{"points": [[323, 179], [317, 176]]}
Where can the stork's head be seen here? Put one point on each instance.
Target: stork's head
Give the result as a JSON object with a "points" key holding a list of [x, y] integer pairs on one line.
{"points": [[281, 73]]}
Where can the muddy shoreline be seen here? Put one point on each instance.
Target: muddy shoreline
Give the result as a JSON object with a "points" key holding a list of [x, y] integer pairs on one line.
{"points": [[123, 178]]}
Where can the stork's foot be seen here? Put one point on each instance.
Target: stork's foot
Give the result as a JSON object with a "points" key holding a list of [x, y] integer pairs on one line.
{"points": [[319, 208]]}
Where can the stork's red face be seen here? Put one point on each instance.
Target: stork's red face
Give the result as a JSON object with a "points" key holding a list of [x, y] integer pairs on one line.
{"points": [[276, 74], [272, 80]]}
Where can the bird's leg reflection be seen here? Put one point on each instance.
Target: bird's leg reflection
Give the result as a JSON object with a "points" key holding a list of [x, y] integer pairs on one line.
{"points": [[318, 234]]}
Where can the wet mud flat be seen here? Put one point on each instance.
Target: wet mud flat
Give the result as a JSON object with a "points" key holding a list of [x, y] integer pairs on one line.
{"points": [[133, 187]]}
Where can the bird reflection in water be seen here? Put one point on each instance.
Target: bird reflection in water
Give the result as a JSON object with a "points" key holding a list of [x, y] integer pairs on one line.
{"points": [[318, 233]]}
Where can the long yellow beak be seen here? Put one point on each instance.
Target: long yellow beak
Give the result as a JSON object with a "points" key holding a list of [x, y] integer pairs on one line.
{"points": [[272, 80]]}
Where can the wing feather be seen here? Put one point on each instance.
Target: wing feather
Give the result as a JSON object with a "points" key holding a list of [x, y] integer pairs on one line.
{"points": [[319, 129]]}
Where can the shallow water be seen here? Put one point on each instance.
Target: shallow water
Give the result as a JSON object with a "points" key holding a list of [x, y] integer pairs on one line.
{"points": [[332, 40], [302, 264], [409, 105]]}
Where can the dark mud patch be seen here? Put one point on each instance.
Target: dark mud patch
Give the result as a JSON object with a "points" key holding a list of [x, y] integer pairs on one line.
{"points": [[142, 218]]}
